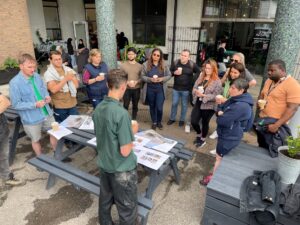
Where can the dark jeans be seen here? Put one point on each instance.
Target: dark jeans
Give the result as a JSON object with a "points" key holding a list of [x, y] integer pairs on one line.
{"points": [[62, 114], [155, 100], [134, 96], [95, 102], [201, 114], [120, 189]]}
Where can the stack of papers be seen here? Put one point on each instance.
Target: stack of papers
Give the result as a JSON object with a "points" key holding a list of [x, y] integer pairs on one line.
{"points": [[61, 132], [82, 122]]}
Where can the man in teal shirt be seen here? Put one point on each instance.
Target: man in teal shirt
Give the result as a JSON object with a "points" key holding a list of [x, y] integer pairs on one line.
{"points": [[117, 162]]}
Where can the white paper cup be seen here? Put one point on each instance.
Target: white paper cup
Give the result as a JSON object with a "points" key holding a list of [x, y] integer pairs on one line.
{"points": [[179, 70], [155, 76], [134, 126], [201, 89], [55, 126], [101, 74], [219, 97], [262, 103]]}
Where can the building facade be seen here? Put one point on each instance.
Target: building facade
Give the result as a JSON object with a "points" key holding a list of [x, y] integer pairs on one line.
{"points": [[197, 25]]}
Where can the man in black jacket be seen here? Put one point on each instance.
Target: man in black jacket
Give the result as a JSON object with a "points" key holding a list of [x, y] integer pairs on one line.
{"points": [[182, 70]]}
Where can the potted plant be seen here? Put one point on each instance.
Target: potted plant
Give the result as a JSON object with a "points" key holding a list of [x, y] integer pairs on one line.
{"points": [[8, 70], [289, 160]]}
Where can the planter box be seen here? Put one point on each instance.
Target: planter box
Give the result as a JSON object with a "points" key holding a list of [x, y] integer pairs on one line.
{"points": [[7, 75]]}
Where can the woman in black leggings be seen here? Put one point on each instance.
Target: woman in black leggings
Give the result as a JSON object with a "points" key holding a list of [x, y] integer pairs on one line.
{"points": [[205, 90]]}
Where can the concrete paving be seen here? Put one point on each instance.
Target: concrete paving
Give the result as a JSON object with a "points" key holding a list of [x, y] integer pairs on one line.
{"points": [[32, 204]]}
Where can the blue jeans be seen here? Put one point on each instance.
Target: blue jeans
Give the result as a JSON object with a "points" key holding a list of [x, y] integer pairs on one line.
{"points": [[62, 114], [155, 100], [184, 95], [95, 102]]}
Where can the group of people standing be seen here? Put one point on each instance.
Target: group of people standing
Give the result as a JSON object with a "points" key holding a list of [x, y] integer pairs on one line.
{"points": [[227, 98]]}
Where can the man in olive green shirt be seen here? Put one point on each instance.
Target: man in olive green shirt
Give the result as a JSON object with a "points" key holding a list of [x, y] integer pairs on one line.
{"points": [[117, 162]]}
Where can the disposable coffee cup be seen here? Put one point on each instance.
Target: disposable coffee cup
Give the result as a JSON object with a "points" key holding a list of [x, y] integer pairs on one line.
{"points": [[134, 126], [201, 89], [101, 74], [262, 103], [219, 97], [131, 82], [155, 76], [179, 70], [55, 126]]}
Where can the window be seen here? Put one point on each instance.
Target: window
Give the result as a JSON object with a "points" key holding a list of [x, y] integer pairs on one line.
{"points": [[240, 9], [52, 19], [149, 21]]}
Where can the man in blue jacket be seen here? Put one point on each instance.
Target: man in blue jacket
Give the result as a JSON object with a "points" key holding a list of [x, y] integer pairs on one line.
{"points": [[234, 117], [29, 96]]}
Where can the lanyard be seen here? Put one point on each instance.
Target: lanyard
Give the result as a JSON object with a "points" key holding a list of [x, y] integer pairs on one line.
{"points": [[273, 86]]}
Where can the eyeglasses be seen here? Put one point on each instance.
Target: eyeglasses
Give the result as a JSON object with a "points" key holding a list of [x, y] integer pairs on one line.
{"points": [[234, 60], [158, 55]]}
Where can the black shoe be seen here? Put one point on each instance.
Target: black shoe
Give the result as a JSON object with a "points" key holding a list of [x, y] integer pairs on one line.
{"points": [[160, 126], [170, 122], [197, 140], [153, 127], [200, 143], [181, 123], [67, 160]]}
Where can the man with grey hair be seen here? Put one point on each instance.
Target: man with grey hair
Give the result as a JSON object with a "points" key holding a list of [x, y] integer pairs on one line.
{"points": [[29, 96]]}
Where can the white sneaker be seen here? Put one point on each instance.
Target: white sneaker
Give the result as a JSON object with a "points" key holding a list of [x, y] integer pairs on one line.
{"points": [[213, 152], [214, 135]]}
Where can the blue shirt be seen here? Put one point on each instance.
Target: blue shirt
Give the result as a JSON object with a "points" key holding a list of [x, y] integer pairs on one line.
{"points": [[23, 98], [155, 86]]}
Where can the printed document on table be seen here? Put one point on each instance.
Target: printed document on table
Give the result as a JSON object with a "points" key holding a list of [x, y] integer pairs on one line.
{"points": [[93, 141], [157, 141], [140, 141], [74, 121], [149, 157], [87, 124], [61, 132]]}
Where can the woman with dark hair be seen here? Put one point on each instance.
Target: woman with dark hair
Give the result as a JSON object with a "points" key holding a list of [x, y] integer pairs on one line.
{"points": [[155, 74], [80, 44], [206, 88], [234, 117], [71, 52], [236, 70]]}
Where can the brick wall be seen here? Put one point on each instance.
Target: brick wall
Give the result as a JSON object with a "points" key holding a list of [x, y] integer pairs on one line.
{"points": [[15, 30]]}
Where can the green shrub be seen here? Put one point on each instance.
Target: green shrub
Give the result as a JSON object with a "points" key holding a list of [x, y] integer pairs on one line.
{"points": [[294, 145], [9, 63]]}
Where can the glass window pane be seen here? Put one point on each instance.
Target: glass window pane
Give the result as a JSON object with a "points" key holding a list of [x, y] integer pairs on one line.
{"points": [[139, 33], [51, 17], [156, 34]]}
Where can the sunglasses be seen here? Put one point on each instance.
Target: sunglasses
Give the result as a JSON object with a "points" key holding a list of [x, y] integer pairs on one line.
{"points": [[158, 55], [234, 60]]}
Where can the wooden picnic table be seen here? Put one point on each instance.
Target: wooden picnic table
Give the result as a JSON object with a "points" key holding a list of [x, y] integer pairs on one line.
{"points": [[223, 192], [13, 116]]}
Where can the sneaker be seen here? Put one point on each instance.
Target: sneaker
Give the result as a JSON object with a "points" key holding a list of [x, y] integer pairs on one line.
{"points": [[12, 181], [153, 127], [170, 122], [200, 143], [206, 180], [160, 126], [181, 123], [197, 139], [213, 152], [214, 135], [67, 160]]}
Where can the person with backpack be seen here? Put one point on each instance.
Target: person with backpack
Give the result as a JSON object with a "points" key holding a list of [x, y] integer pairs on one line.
{"points": [[183, 70], [234, 117]]}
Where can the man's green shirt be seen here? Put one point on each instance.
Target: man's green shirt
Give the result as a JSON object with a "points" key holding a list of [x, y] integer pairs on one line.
{"points": [[113, 130]]}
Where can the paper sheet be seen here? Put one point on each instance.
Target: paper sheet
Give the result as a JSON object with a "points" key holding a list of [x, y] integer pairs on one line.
{"points": [[61, 132], [87, 124], [93, 141]]}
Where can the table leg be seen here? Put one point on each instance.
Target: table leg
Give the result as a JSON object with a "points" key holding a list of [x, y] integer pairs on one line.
{"points": [[57, 156], [175, 170], [13, 141]]}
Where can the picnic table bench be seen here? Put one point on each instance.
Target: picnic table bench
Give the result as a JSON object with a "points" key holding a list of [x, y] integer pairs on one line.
{"points": [[223, 192], [13, 116], [83, 180]]}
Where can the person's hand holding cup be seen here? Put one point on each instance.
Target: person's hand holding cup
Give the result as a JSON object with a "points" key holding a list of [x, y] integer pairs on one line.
{"points": [[179, 69], [134, 126], [131, 83], [220, 99], [155, 78], [261, 103]]}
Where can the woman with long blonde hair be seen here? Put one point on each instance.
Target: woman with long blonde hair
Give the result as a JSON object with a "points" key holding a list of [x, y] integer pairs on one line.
{"points": [[95, 76], [206, 88]]}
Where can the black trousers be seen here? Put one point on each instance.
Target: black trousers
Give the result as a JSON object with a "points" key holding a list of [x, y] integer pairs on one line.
{"points": [[120, 189], [201, 114], [134, 96]]}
